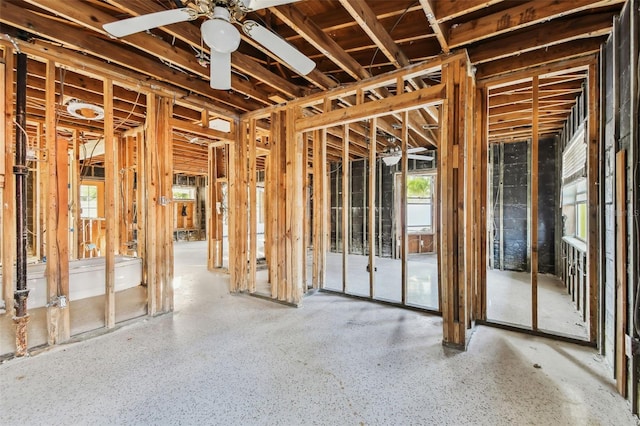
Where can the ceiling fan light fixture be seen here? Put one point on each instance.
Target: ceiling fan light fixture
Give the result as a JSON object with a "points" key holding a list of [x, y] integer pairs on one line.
{"points": [[218, 33], [391, 160]]}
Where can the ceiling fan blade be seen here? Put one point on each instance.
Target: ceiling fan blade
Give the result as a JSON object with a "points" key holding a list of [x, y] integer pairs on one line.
{"points": [[414, 150], [220, 70], [283, 50], [262, 4], [420, 157], [136, 24]]}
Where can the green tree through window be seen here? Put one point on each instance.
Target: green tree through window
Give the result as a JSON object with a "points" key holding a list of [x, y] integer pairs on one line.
{"points": [[419, 186]]}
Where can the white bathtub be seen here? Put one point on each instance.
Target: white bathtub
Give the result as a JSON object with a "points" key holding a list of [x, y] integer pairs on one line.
{"points": [[86, 278]]}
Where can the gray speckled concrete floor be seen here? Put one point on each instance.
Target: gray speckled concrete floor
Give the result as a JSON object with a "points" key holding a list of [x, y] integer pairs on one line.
{"points": [[225, 359]]}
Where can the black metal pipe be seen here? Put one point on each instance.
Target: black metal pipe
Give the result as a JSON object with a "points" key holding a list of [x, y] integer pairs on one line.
{"points": [[20, 170]]}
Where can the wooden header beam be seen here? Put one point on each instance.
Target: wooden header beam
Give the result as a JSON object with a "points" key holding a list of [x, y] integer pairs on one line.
{"points": [[391, 78], [399, 103]]}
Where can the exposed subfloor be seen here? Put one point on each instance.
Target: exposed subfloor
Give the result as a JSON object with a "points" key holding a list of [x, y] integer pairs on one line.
{"points": [[235, 359]]}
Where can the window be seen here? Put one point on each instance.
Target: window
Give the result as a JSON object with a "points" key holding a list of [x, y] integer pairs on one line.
{"points": [[574, 209], [89, 201], [420, 203], [581, 219], [260, 204], [184, 193]]}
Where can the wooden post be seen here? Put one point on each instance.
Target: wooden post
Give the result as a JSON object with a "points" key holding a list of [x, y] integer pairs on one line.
{"points": [[316, 141], [149, 199], [78, 248], [213, 212], [621, 272], [238, 211], [373, 125], [404, 165], [155, 215], [253, 208], [41, 194], [8, 189], [346, 211], [111, 213], [166, 211], [278, 165], [533, 219], [125, 202], [305, 200], [319, 207], [323, 208], [593, 204], [456, 131], [471, 161], [295, 209], [57, 271], [242, 206], [481, 305], [281, 204]]}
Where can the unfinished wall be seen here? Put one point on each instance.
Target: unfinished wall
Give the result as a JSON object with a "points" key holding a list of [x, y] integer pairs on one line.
{"points": [[548, 200], [511, 210], [359, 211], [620, 124], [385, 208], [609, 251], [358, 243]]}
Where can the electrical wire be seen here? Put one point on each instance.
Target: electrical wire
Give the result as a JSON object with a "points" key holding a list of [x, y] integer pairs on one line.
{"points": [[133, 108], [391, 30]]}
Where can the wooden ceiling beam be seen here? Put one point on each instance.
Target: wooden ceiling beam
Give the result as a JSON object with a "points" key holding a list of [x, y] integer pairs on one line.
{"points": [[36, 114], [450, 9], [133, 73], [327, 45], [428, 96], [439, 29], [36, 101], [548, 87], [508, 109], [93, 19], [519, 115], [305, 26], [368, 21], [524, 130], [536, 58], [542, 35], [520, 16], [77, 81], [353, 42], [553, 121], [519, 137], [335, 23], [515, 98], [202, 131], [85, 96]]}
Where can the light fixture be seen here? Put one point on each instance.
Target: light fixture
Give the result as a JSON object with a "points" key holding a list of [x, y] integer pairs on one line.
{"points": [[85, 111], [223, 38], [391, 160]]}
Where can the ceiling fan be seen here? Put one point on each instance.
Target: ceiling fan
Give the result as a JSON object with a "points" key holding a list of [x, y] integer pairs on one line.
{"points": [[393, 155], [219, 33]]}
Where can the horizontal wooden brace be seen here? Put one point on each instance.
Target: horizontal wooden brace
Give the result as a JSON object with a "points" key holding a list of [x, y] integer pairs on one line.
{"points": [[406, 101]]}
